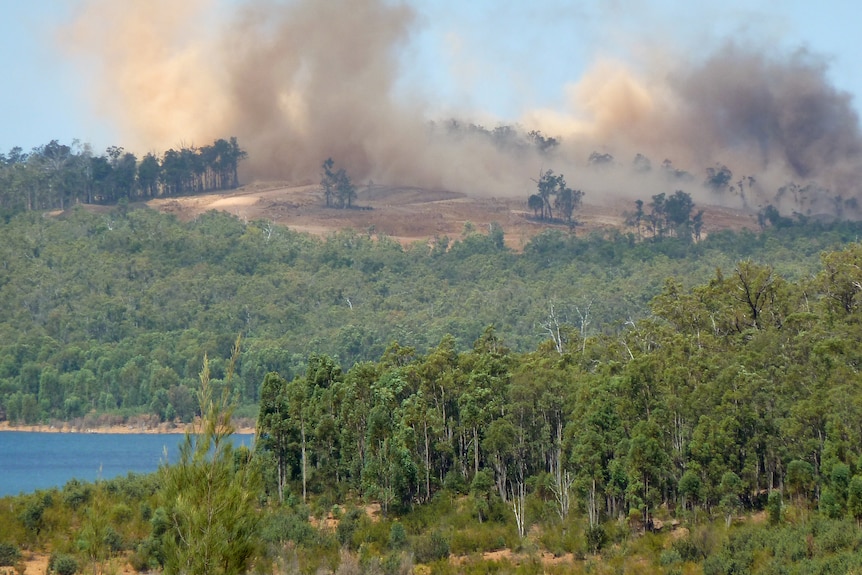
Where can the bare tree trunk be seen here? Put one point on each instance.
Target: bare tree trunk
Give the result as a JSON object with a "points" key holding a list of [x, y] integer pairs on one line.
{"points": [[427, 463], [519, 494], [563, 480], [304, 463]]}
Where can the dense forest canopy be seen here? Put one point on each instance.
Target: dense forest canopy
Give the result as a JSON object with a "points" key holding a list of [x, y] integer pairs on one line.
{"points": [[732, 395], [112, 312], [596, 384]]}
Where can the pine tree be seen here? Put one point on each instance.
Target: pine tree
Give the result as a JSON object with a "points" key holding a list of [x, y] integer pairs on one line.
{"points": [[210, 495]]}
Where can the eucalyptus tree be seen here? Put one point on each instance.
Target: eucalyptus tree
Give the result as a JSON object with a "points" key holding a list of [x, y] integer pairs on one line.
{"points": [[274, 433]]}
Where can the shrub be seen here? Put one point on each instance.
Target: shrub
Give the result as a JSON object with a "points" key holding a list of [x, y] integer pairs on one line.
{"points": [[63, 564], [689, 549], [76, 493], [719, 564], [670, 557], [9, 554], [397, 536], [113, 540], [773, 507], [347, 527], [431, 547], [281, 527], [595, 537]]}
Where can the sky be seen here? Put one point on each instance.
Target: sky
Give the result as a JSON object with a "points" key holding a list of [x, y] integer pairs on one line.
{"points": [[490, 60], [770, 91]]}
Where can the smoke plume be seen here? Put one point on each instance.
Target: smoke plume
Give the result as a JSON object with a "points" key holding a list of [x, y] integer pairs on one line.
{"points": [[301, 81]]}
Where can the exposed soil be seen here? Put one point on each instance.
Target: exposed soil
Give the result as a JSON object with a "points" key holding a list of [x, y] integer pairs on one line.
{"points": [[37, 564], [410, 214]]}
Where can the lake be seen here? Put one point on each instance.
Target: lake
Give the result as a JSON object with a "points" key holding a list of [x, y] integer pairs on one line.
{"points": [[32, 460]]}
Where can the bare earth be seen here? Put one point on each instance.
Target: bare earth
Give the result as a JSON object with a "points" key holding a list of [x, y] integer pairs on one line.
{"points": [[115, 429], [409, 214]]}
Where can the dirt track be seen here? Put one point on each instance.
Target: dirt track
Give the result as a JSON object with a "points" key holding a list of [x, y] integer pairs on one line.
{"points": [[407, 214]]}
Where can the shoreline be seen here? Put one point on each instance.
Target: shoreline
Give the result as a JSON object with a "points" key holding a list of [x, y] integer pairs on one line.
{"points": [[126, 429]]}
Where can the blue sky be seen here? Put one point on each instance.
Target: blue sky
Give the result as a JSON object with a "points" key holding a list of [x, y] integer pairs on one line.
{"points": [[492, 59]]}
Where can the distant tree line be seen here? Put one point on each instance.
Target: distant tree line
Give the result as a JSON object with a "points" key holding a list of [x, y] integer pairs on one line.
{"points": [[503, 137], [56, 176]]}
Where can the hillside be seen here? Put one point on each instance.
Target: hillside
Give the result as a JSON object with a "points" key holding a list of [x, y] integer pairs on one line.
{"points": [[410, 214]]}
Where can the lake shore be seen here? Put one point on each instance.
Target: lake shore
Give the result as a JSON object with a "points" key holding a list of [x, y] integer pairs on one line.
{"points": [[131, 428]]}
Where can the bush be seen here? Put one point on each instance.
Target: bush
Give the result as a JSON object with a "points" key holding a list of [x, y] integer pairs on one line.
{"points": [[595, 537], [76, 493], [9, 554], [347, 528], [281, 527], [719, 564], [689, 549], [113, 540], [63, 564], [773, 507], [431, 547], [455, 482], [669, 557], [397, 536]]}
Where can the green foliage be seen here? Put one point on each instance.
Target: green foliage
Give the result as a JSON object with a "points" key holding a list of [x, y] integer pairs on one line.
{"points": [[100, 346], [727, 386], [854, 497], [774, 507], [285, 525], [63, 564], [210, 501], [32, 517], [9, 554], [397, 536], [431, 547], [348, 527]]}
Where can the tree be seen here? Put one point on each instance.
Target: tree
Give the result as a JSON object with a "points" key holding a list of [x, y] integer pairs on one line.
{"points": [[647, 463], [731, 488], [718, 178], [567, 201], [148, 176], [657, 219], [273, 427], [841, 278], [210, 494], [537, 204], [678, 208], [338, 190], [299, 405], [547, 185], [636, 218], [757, 288], [854, 498]]}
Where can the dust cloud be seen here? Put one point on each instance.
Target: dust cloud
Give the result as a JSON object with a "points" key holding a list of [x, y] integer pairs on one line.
{"points": [[301, 81]]}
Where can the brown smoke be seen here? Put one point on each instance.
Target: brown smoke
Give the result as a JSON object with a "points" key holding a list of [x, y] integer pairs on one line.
{"points": [[301, 81], [296, 82], [773, 116]]}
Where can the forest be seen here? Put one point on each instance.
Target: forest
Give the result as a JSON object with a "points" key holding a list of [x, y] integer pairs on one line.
{"points": [[57, 176], [718, 433], [109, 314], [612, 402]]}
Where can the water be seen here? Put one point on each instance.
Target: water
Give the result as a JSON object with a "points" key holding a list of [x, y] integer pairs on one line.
{"points": [[31, 461]]}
